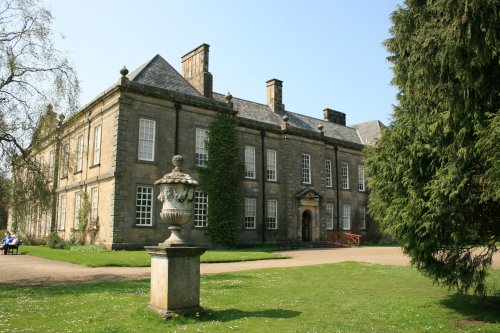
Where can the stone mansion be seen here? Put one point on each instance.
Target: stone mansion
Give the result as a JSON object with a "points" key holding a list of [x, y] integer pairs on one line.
{"points": [[303, 176]]}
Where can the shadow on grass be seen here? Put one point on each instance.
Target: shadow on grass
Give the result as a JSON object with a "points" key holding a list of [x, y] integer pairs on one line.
{"points": [[235, 314], [76, 288], [475, 308]]}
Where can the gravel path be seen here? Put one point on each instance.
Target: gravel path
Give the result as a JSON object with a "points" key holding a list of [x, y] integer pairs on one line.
{"points": [[25, 270]]}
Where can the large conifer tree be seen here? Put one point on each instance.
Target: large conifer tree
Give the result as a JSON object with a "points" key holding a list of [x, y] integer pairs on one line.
{"points": [[435, 174]]}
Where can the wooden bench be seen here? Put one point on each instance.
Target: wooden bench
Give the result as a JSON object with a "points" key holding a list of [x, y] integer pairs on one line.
{"points": [[287, 244], [12, 248]]}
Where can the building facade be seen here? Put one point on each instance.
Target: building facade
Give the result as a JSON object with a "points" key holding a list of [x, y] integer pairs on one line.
{"points": [[303, 176]]}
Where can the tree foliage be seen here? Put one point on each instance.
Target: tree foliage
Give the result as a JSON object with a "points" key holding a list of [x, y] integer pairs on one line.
{"points": [[434, 176], [33, 73], [35, 81], [4, 201], [222, 181]]}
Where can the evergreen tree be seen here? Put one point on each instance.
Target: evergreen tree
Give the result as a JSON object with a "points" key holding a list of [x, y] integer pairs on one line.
{"points": [[222, 181], [434, 176]]}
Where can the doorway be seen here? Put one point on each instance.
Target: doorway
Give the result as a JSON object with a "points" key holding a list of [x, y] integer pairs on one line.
{"points": [[306, 226]]}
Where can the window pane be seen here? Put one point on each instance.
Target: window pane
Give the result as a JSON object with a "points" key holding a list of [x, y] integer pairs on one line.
{"points": [[65, 161], [345, 176], [144, 206], [306, 169], [97, 145], [272, 214], [200, 209], [361, 178], [271, 173], [362, 217], [62, 217], [329, 216], [346, 217], [250, 162], [79, 153], [146, 144], [250, 213], [94, 203], [77, 209], [201, 147], [328, 173]]}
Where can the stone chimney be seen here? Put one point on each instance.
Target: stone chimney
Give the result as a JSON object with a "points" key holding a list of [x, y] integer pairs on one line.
{"points": [[274, 89], [333, 116], [195, 70]]}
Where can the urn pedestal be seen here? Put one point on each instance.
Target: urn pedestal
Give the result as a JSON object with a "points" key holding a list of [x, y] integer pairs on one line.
{"points": [[175, 263], [175, 280]]}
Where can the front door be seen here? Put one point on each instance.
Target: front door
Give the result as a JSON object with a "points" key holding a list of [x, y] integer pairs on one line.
{"points": [[306, 226]]}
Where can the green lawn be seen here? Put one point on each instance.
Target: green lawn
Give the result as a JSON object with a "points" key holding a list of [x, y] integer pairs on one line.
{"points": [[140, 258], [346, 297]]}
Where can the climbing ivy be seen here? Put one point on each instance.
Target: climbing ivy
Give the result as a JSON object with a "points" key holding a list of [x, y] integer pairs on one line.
{"points": [[79, 234], [222, 181]]}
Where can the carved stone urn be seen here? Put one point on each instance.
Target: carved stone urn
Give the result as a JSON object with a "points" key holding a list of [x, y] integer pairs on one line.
{"points": [[176, 193]]}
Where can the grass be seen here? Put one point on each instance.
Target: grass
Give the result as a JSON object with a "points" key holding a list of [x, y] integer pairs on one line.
{"points": [[346, 297], [141, 258]]}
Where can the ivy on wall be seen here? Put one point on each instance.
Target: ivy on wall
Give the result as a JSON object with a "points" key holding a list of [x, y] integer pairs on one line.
{"points": [[222, 181]]}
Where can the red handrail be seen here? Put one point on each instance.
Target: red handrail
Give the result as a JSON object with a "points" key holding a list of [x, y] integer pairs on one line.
{"points": [[342, 238]]}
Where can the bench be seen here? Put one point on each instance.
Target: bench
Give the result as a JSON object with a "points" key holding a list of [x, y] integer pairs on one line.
{"points": [[11, 248], [287, 244]]}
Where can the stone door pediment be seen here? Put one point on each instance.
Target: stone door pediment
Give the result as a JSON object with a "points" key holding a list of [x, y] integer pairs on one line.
{"points": [[308, 194]]}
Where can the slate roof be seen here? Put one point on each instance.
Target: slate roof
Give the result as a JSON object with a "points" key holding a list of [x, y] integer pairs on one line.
{"points": [[263, 113], [370, 131], [159, 73]]}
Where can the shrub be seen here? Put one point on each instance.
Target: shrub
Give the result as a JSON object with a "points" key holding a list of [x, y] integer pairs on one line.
{"points": [[54, 241]]}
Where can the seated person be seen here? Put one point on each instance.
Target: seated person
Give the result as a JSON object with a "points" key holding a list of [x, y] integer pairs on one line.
{"points": [[14, 242], [4, 243]]}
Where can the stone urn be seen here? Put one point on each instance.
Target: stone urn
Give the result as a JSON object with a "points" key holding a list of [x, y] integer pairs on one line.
{"points": [[176, 193]]}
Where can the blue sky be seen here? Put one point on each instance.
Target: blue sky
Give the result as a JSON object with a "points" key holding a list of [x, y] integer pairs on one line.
{"points": [[327, 53]]}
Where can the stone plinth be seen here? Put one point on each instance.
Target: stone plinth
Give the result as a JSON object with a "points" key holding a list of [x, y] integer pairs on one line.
{"points": [[175, 280]]}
